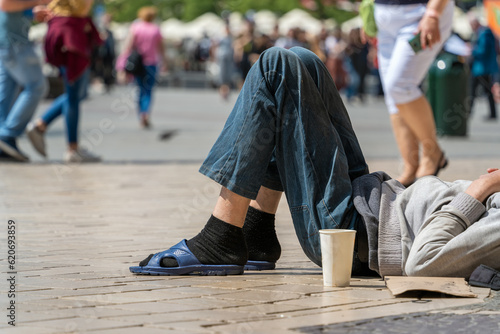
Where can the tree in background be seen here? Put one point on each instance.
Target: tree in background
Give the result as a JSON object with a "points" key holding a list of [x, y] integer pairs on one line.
{"points": [[126, 10], [194, 8], [187, 10], [277, 6], [327, 9]]}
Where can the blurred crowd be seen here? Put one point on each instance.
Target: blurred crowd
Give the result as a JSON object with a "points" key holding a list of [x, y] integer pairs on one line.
{"points": [[100, 60], [227, 60]]}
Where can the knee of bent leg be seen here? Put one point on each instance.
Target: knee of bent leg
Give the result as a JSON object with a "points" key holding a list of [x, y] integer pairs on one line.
{"points": [[275, 55], [307, 56]]}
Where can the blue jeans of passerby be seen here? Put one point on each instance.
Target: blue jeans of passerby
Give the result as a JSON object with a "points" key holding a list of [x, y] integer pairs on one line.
{"points": [[68, 104], [354, 79], [289, 131], [146, 84], [19, 67]]}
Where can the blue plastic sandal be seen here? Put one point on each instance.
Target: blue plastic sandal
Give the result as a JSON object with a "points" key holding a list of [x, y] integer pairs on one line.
{"points": [[188, 264], [259, 265]]}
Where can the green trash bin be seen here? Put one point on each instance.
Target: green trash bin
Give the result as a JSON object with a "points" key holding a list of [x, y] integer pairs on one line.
{"points": [[447, 92]]}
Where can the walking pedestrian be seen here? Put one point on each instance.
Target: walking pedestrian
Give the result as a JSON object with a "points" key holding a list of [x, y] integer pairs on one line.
{"points": [[19, 68], [145, 38], [402, 70], [224, 56], [484, 65], [68, 46]]}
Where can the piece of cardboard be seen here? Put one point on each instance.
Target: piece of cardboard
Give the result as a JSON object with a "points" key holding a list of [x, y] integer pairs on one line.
{"points": [[454, 286]]}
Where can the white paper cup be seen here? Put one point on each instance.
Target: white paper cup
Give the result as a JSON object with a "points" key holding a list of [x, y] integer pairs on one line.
{"points": [[337, 247]]}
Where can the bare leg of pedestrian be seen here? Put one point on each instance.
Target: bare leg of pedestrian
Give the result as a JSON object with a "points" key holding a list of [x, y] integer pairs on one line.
{"points": [[418, 117], [403, 70], [408, 148]]}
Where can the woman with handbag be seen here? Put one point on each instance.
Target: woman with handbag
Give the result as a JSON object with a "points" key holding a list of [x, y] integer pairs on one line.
{"points": [[141, 57], [68, 46]]}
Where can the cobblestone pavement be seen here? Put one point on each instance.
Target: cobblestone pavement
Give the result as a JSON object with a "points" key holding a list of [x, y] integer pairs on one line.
{"points": [[79, 228], [78, 234], [418, 323]]}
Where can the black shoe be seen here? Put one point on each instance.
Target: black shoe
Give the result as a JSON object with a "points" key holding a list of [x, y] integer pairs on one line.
{"points": [[4, 157], [8, 146], [443, 163]]}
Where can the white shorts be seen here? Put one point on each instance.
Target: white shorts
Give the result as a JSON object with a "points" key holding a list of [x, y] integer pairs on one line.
{"points": [[401, 70]]}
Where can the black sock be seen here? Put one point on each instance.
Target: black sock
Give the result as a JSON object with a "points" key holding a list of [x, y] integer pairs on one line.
{"points": [[218, 243], [260, 236]]}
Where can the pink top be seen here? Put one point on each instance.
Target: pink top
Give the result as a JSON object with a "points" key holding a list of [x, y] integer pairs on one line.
{"points": [[147, 37]]}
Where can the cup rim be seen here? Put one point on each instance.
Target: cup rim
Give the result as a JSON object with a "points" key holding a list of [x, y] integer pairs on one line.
{"points": [[334, 231]]}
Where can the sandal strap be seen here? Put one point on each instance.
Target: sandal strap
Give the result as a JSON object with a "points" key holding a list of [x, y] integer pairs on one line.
{"points": [[179, 252]]}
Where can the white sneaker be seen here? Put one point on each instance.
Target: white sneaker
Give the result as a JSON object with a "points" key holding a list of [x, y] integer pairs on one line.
{"points": [[36, 138], [80, 155]]}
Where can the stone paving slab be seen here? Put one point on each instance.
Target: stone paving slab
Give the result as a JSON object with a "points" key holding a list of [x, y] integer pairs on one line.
{"points": [[420, 323], [78, 234]]}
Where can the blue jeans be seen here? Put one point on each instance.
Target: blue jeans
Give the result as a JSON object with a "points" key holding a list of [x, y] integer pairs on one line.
{"points": [[352, 88], [289, 131], [68, 104], [19, 67], [146, 84]]}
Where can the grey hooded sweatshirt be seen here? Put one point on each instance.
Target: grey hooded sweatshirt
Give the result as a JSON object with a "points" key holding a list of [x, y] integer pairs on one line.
{"points": [[432, 228]]}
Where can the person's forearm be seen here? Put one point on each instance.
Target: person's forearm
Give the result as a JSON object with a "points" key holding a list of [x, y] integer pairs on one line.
{"points": [[436, 7], [426, 254], [18, 5], [481, 189], [436, 250]]}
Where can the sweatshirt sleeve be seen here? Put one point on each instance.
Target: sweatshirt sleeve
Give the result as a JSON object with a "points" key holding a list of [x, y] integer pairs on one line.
{"points": [[470, 207], [434, 251]]}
